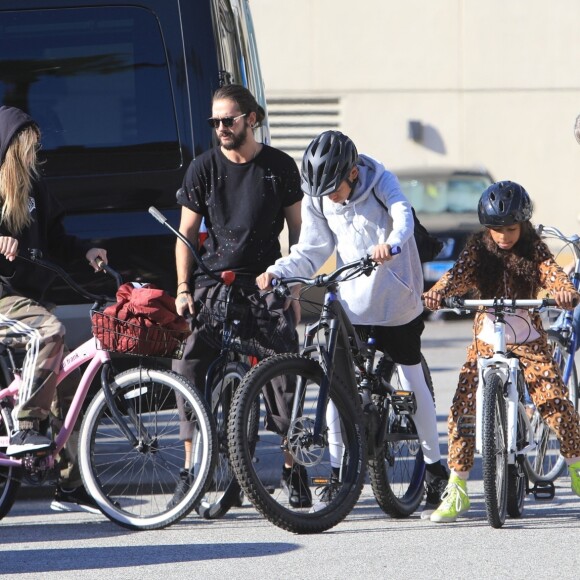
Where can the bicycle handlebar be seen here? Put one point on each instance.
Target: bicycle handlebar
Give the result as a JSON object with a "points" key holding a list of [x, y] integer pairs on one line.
{"points": [[455, 302], [552, 231], [227, 277], [35, 257], [359, 267]]}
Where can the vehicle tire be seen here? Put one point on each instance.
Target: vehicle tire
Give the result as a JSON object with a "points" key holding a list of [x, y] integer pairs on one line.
{"points": [[10, 476], [224, 491], [494, 451], [545, 462], [257, 458], [517, 480], [397, 468], [134, 485]]}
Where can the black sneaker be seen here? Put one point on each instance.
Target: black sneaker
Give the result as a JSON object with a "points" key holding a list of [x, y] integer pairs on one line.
{"points": [[182, 487], [295, 483], [73, 500], [27, 441], [434, 486], [326, 494]]}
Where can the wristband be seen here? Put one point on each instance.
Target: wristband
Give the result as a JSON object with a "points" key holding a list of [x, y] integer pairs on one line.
{"points": [[182, 283], [184, 292]]}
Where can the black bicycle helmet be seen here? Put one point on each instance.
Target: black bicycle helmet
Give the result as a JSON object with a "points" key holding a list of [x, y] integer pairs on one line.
{"points": [[327, 162], [503, 204]]}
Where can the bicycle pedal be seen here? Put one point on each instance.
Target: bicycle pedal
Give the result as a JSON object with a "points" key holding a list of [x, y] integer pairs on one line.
{"points": [[404, 402], [466, 426], [543, 490]]}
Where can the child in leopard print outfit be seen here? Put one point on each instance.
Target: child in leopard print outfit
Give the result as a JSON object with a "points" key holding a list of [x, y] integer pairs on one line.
{"points": [[509, 260]]}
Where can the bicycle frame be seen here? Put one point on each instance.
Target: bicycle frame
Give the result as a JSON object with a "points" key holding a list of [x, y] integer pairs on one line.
{"points": [[339, 333], [508, 368], [566, 327], [87, 352]]}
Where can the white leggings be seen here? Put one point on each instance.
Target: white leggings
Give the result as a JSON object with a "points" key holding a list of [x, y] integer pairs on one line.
{"points": [[412, 379]]}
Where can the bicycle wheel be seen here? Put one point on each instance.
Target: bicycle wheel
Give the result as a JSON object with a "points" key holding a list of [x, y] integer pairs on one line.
{"points": [[545, 463], [397, 469], [494, 451], [516, 475], [10, 477], [257, 458], [134, 485], [224, 491]]}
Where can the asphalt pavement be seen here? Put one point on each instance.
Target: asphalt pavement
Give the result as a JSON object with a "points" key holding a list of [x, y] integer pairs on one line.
{"points": [[36, 542]]}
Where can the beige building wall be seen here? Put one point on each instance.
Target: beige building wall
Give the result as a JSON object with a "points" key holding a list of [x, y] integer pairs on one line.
{"points": [[494, 83]]}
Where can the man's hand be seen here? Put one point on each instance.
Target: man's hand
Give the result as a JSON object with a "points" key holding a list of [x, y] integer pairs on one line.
{"points": [[184, 303], [432, 299], [94, 255], [8, 247]]}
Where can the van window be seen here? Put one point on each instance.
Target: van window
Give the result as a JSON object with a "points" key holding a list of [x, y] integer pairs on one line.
{"points": [[97, 82]]}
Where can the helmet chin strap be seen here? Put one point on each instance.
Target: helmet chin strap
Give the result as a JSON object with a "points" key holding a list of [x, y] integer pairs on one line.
{"points": [[351, 184]]}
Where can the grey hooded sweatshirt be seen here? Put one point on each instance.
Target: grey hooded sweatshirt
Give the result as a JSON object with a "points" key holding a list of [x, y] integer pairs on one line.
{"points": [[391, 295]]}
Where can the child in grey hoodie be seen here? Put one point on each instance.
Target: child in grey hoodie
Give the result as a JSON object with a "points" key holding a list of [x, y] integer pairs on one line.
{"points": [[344, 210]]}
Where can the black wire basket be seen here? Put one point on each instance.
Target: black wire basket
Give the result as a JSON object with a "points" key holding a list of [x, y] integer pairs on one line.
{"points": [[139, 339], [243, 326]]}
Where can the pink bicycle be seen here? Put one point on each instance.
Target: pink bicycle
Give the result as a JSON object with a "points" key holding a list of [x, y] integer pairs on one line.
{"points": [[129, 450]]}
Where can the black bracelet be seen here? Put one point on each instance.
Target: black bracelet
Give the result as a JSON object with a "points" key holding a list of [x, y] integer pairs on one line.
{"points": [[182, 283], [184, 292]]}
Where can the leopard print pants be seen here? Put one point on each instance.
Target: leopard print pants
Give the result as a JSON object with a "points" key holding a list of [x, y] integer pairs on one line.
{"points": [[546, 389]]}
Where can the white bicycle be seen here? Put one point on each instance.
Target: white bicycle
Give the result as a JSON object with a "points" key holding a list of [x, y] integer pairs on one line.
{"points": [[504, 435]]}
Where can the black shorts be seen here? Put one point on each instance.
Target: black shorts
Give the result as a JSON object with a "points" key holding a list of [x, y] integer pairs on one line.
{"points": [[402, 343]]}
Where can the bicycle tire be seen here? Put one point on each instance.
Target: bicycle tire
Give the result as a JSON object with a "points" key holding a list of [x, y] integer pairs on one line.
{"points": [[10, 477], [257, 460], [517, 481], [224, 491], [397, 469], [134, 485], [494, 451], [545, 463]]}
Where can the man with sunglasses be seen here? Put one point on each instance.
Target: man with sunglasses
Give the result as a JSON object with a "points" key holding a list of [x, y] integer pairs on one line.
{"points": [[243, 191]]}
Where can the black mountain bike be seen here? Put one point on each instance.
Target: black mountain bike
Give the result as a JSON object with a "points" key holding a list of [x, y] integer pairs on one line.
{"points": [[231, 325], [345, 409]]}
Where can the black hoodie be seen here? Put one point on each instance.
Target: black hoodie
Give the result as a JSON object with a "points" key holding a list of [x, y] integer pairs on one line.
{"points": [[46, 231]]}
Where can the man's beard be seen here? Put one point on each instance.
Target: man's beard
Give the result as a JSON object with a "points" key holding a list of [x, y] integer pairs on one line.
{"points": [[236, 140]]}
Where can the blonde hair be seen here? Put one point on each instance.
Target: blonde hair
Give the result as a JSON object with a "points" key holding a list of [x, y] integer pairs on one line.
{"points": [[17, 173]]}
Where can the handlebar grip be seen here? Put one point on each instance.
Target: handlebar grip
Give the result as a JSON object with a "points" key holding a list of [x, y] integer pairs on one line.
{"points": [[157, 215]]}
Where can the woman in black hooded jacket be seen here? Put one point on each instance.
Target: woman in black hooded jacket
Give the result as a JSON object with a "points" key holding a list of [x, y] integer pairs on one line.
{"points": [[30, 218]]}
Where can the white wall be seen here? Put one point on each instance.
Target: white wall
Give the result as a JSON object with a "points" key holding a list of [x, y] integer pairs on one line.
{"points": [[495, 82]]}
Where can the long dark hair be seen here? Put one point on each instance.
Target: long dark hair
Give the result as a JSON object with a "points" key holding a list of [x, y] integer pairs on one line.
{"points": [[511, 274], [244, 99]]}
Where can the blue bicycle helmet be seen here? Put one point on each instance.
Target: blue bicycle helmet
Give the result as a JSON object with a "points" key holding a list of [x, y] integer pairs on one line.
{"points": [[503, 204], [326, 163]]}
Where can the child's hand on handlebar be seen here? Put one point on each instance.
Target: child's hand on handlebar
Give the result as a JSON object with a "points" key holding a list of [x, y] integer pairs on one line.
{"points": [[264, 281], [566, 299], [382, 253], [95, 257], [432, 299], [8, 247]]}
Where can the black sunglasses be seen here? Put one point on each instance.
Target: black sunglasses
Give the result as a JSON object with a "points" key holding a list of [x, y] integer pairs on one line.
{"points": [[214, 122]]}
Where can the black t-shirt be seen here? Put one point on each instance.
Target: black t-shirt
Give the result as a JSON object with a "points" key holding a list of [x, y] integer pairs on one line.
{"points": [[243, 207]]}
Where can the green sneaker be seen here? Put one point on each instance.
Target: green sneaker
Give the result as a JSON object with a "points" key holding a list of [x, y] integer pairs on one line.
{"points": [[574, 471], [454, 501]]}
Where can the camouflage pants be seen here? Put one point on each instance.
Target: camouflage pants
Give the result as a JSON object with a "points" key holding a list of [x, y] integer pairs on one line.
{"points": [[29, 328]]}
